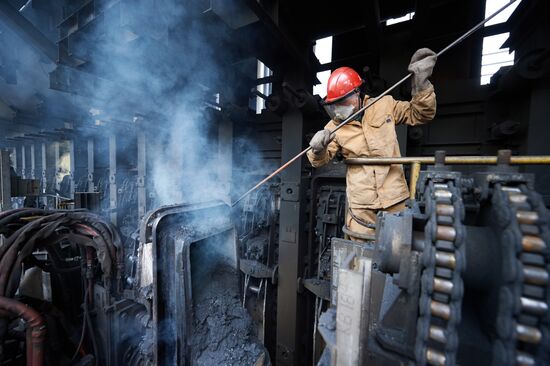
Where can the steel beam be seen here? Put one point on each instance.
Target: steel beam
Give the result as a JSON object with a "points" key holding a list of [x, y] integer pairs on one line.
{"points": [[113, 190], [141, 173], [56, 162], [27, 31], [23, 162], [14, 158], [43, 173], [5, 181], [291, 222], [32, 172], [301, 54], [71, 168], [91, 165]]}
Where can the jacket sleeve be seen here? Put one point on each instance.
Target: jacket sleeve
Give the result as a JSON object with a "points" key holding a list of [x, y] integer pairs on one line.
{"points": [[324, 157], [419, 110]]}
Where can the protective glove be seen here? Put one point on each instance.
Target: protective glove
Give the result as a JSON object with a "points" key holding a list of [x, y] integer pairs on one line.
{"points": [[422, 65], [320, 141]]}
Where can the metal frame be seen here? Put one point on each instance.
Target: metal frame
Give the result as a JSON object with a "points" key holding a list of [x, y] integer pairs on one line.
{"points": [[171, 272], [291, 244], [5, 181], [113, 191], [141, 174], [416, 162]]}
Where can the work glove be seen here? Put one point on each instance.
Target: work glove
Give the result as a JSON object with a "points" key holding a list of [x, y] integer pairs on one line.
{"points": [[320, 141], [422, 65]]}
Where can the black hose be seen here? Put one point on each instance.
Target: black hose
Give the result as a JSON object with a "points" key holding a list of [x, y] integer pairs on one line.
{"points": [[83, 325], [91, 333]]}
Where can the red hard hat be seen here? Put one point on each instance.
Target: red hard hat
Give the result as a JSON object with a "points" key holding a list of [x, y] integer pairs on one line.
{"points": [[342, 81]]}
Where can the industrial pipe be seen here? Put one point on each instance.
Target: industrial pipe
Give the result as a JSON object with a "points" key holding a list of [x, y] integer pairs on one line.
{"points": [[415, 174], [451, 160], [36, 329]]}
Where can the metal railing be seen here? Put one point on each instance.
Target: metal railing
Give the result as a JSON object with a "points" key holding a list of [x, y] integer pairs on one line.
{"points": [[504, 157]]}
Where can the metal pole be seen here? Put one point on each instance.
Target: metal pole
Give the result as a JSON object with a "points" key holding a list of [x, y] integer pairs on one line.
{"points": [[57, 166], [415, 173], [479, 160], [23, 162], [91, 165], [373, 100], [113, 190], [33, 163], [141, 173], [72, 169], [5, 181], [43, 182]]}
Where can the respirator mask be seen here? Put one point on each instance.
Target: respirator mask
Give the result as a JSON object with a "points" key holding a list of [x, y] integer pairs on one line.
{"points": [[342, 109]]}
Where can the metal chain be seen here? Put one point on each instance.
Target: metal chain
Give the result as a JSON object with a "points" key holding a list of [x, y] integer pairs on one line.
{"points": [[441, 288], [523, 318]]}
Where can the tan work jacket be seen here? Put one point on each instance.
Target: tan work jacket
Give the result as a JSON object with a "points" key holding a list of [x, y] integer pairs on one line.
{"points": [[380, 186]]}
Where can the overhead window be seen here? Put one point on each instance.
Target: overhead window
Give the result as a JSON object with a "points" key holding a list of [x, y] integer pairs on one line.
{"points": [[491, 6], [323, 52], [402, 19], [493, 56], [265, 89]]}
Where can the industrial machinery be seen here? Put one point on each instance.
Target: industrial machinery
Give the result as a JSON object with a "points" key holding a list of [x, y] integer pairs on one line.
{"points": [[128, 128], [88, 298], [459, 277]]}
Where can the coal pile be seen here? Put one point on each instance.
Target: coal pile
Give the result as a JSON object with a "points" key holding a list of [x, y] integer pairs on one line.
{"points": [[223, 332]]}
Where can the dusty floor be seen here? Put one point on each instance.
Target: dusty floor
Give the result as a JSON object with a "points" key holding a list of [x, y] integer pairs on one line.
{"points": [[223, 331]]}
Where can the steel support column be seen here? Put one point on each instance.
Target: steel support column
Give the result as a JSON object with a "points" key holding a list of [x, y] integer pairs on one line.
{"points": [[14, 159], [43, 183], [113, 190], [23, 162], [91, 165], [141, 174], [290, 243], [56, 157], [33, 163], [5, 181], [71, 168], [30, 34]]}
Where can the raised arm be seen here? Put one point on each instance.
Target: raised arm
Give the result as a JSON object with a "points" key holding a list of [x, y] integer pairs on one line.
{"points": [[422, 107]]}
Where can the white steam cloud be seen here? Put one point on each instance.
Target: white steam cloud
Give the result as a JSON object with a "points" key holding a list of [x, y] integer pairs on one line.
{"points": [[163, 60]]}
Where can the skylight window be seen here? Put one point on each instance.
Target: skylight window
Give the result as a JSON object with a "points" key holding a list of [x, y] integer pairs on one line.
{"points": [[265, 89], [493, 56], [402, 19], [323, 52], [491, 6]]}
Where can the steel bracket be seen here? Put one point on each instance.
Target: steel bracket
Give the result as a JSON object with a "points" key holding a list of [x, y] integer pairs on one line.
{"points": [[290, 191], [320, 288]]}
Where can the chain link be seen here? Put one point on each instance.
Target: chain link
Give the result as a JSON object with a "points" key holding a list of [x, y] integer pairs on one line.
{"points": [[523, 318], [441, 288]]}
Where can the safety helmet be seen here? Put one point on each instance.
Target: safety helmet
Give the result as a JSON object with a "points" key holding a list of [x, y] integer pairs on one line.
{"points": [[342, 82]]}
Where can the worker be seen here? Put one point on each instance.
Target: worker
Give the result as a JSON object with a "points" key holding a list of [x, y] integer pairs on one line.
{"points": [[371, 189]]}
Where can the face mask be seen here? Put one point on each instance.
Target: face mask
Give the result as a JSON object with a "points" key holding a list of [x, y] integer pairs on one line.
{"points": [[341, 110]]}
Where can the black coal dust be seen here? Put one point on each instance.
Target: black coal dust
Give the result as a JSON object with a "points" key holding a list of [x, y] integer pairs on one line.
{"points": [[223, 332]]}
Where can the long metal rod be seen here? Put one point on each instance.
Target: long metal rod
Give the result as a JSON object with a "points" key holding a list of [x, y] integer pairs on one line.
{"points": [[372, 101]]}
